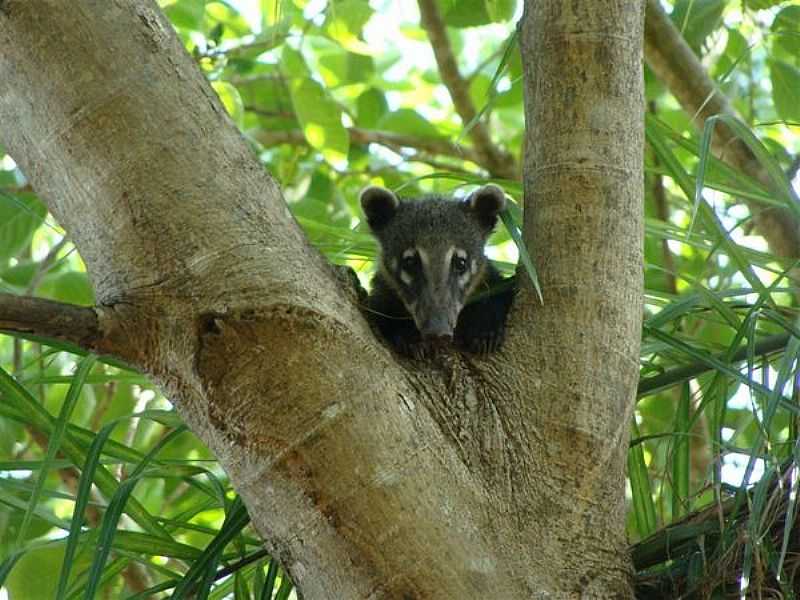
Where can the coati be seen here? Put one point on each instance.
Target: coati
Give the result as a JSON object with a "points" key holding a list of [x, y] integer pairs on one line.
{"points": [[431, 264]]}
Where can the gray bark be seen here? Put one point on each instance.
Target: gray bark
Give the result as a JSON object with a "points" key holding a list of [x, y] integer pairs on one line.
{"points": [[369, 477]]}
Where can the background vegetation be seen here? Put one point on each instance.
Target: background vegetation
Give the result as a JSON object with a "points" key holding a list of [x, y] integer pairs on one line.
{"points": [[334, 96]]}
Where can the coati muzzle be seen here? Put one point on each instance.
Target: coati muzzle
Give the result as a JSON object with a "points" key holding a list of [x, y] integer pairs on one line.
{"points": [[435, 313]]}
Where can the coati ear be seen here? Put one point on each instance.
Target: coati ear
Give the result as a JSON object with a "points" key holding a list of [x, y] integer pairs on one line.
{"points": [[379, 206], [485, 203]]}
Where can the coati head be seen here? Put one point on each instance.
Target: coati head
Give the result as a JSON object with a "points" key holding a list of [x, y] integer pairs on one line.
{"points": [[432, 250]]}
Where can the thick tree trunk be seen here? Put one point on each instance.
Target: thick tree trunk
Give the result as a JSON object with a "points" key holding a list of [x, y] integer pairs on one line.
{"points": [[369, 477], [583, 189]]}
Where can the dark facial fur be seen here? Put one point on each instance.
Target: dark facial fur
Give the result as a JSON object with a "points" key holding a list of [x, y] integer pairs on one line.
{"points": [[431, 261]]}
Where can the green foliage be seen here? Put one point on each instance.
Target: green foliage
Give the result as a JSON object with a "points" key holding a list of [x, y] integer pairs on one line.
{"points": [[21, 215], [697, 19], [786, 90], [337, 95]]}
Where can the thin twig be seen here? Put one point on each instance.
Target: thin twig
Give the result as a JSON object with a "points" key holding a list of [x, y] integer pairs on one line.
{"points": [[394, 141], [492, 158]]}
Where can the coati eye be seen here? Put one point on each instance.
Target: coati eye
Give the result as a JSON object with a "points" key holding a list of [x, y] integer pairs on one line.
{"points": [[459, 265], [410, 262]]}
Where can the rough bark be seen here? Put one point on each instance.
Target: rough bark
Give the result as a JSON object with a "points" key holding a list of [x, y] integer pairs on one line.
{"points": [[368, 476], [583, 179], [674, 63]]}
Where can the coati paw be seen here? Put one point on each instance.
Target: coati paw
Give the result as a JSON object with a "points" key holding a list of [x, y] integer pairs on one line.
{"points": [[418, 350], [407, 343], [485, 342]]}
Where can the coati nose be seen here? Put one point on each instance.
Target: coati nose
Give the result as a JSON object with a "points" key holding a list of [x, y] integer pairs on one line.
{"points": [[437, 329]]}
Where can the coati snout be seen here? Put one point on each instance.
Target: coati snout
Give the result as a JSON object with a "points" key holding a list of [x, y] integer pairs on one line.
{"points": [[431, 262]]}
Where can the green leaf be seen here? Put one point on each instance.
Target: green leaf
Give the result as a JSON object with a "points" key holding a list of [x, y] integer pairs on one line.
{"points": [[72, 287], [345, 20], [472, 13], [341, 68], [713, 225], [791, 508], [269, 582], [680, 456], [409, 122], [37, 417], [696, 19], [762, 4], [787, 26], [186, 14], [285, 588], [235, 520], [371, 106], [643, 508], [222, 13], [294, 63], [20, 215], [500, 10], [320, 119], [54, 443], [231, 100], [31, 577], [785, 90], [113, 513], [319, 116], [524, 257]]}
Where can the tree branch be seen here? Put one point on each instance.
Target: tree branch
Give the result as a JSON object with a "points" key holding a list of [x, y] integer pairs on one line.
{"points": [[394, 141], [496, 161], [79, 325], [676, 64]]}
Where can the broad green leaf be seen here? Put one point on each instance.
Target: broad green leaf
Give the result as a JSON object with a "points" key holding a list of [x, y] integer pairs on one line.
{"points": [[696, 19], [371, 106], [293, 63], [272, 11], [320, 119], [186, 14], [72, 287], [787, 26], [472, 13], [345, 20], [20, 215], [339, 68], [786, 90], [407, 121], [222, 13], [31, 578], [500, 10], [319, 116], [231, 100], [736, 50]]}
